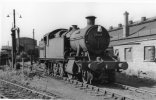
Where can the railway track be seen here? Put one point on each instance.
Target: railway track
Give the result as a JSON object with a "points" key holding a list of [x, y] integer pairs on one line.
{"points": [[15, 91], [102, 94], [117, 91], [136, 89], [146, 95], [139, 94], [106, 93], [3, 97]]}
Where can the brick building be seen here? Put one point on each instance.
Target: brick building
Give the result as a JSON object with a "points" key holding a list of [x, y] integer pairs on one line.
{"points": [[135, 42]]}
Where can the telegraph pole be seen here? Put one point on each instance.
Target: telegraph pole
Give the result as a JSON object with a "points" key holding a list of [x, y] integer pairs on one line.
{"points": [[14, 15], [13, 35], [13, 30]]}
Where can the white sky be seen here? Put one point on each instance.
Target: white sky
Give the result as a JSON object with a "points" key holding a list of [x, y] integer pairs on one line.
{"points": [[45, 15]]}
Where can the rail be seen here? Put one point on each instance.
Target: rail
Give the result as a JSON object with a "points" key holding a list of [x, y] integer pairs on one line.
{"points": [[27, 89]]}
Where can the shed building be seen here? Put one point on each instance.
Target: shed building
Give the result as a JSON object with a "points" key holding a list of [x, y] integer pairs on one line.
{"points": [[135, 42], [5, 55], [27, 44]]}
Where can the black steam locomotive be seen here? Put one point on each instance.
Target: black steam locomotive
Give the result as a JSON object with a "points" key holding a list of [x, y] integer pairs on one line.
{"points": [[80, 53]]}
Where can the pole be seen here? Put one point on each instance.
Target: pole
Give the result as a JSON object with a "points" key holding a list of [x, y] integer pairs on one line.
{"points": [[18, 40], [33, 44], [13, 46], [33, 34], [14, 15], [23, 67], [14, 39], [13, 30], [32, 51]]}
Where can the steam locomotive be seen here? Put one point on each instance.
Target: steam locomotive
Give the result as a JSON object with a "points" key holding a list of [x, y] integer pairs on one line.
{"points": [[80, 53]]}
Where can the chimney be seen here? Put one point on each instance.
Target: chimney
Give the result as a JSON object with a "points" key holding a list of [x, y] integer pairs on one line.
{"points": [[74, 27], [33, 34], [130, 22], [125, 27], [111, 27], [143, 19], [90, 20], [119, 25]]}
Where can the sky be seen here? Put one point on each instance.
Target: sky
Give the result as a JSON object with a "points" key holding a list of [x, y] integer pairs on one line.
{"points": [[47, 15]]}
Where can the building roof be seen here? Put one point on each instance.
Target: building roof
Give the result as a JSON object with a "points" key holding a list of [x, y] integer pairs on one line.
{"points": [[141, 30], [6, 47]]}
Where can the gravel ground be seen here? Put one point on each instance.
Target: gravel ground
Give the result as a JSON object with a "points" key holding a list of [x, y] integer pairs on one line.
{"points": [[59, 87], [49, 84], [69, 92], [142, 83], [130, 94]]}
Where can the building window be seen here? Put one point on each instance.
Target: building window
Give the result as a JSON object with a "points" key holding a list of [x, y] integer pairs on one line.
{"points": [[149, 53], [128, 54]]}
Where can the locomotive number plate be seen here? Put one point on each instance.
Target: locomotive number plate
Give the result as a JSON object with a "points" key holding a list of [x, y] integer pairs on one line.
{"points": [[97, 34]]}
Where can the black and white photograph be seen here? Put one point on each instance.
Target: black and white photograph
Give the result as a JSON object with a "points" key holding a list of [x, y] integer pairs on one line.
{"points": [[78, 49]]}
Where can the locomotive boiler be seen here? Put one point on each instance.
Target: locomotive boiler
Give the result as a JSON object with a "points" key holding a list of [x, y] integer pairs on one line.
{"points": [[80, 53]]}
